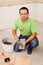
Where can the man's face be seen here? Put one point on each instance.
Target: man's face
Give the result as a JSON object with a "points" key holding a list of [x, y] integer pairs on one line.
{"points": [[24, 14]]}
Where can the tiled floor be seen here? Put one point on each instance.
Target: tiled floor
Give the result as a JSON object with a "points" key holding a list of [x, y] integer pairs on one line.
{"points": [[36, 58], [4, 55], [15, 59]]}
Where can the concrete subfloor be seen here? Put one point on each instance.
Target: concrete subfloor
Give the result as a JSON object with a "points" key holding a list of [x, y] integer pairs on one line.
{"points": [[36, 58]]}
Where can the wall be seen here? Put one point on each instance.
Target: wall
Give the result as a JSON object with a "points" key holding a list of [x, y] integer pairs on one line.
{"points": [[13, 2], [39, 12], [8, 14]]}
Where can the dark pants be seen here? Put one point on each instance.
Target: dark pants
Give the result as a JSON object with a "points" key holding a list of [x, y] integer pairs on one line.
{"points": [[32, 44]]}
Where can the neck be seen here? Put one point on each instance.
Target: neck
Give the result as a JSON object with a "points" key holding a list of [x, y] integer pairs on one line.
{"points": [[25, 20]]}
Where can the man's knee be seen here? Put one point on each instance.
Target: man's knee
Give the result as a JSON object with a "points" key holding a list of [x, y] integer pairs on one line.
{"points": [[34, 42]]}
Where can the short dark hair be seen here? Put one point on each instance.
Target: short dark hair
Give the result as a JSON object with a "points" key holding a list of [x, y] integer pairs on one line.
{"points": [[24, 8]]}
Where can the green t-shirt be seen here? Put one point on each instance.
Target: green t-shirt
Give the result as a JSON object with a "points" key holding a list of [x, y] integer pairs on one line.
{"points": [[26, 28]]}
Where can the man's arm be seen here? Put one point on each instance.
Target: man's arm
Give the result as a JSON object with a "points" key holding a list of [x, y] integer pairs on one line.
{"points": [[31, 37], [14, 32]]}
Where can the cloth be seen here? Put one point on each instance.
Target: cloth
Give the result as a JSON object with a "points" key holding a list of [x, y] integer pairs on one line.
{"points": [[20, 45], [26, 28], [33, 43]]}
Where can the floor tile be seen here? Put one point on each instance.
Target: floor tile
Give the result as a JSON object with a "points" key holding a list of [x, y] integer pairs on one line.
{"points": [[22, 60]]}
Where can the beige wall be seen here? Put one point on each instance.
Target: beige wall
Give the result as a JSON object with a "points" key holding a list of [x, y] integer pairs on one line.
{"points": [[11, 2]]}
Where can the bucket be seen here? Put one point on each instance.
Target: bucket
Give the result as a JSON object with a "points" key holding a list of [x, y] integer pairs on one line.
{"points": [[7, 45]]}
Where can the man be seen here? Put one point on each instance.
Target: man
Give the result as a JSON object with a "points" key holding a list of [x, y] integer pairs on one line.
{"points": [[28, 30]]}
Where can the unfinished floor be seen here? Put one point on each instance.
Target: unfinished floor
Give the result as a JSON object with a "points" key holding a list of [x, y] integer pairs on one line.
{"points": [[36, 58]]}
